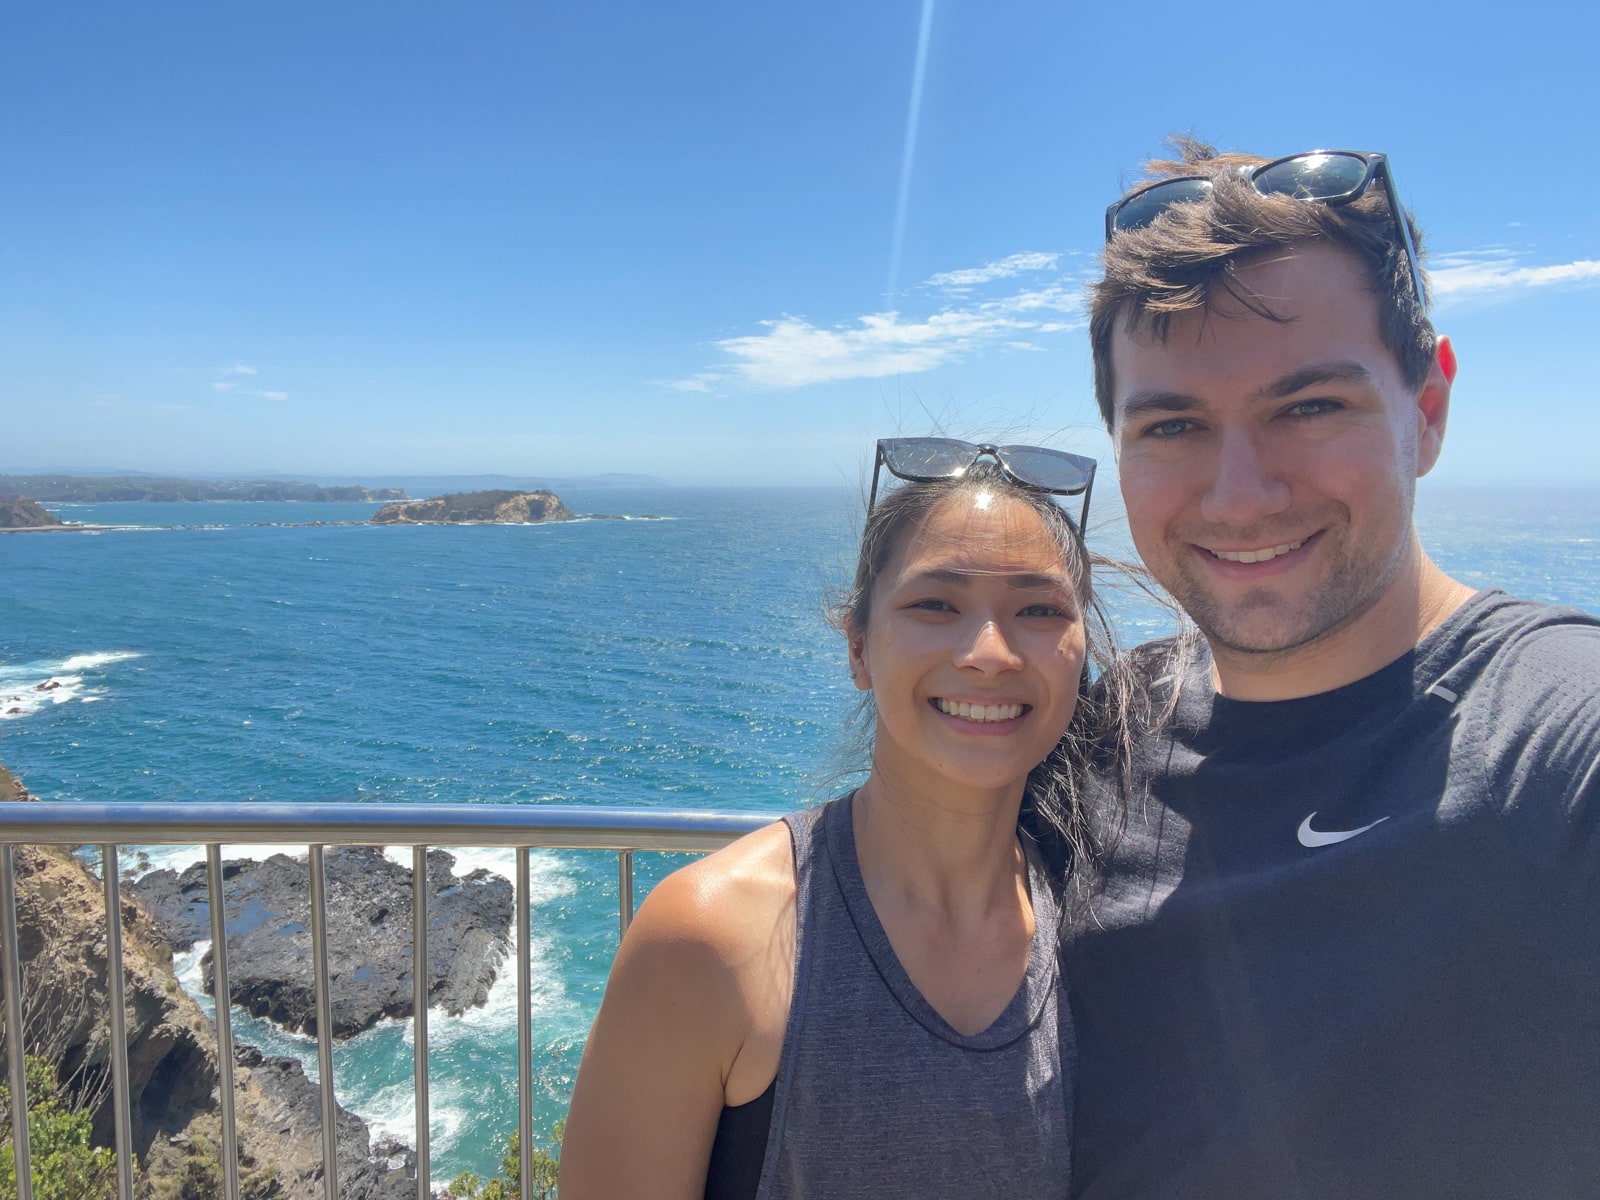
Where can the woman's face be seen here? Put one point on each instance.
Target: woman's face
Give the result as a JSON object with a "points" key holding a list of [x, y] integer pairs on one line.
{"points": [[973, 648]]}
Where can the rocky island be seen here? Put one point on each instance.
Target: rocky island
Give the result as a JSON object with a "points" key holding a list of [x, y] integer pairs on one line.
{"points": [[497, 507], [18, 512]]}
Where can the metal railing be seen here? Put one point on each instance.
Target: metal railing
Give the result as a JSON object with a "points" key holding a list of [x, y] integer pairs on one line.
{"points": [[517, 827]]}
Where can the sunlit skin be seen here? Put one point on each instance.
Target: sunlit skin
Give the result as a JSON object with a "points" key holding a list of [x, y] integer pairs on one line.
{"points": [[1295, 443], [978, 608], [976, 605]]}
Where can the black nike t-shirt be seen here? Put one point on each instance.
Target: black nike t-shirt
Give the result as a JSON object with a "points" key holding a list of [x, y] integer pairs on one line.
{"points": [[1349, 945]]}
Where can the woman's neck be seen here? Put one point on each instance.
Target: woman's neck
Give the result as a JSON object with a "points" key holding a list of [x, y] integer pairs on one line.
{"points": [[941, 852]]}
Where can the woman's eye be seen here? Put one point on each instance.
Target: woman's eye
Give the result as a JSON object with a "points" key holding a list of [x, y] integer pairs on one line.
{"points": [[932, 605], [1043, 610]]}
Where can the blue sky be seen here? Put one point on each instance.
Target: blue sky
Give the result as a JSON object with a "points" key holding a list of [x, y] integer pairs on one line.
{"points": [[717, 241]]}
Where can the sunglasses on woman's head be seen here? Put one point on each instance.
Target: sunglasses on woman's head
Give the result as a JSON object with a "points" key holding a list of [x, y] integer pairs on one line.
{"points": [[924, 460], [1327, 176]]}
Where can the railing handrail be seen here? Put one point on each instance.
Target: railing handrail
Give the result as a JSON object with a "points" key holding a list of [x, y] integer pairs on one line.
{"points": [[548, 826], [521, 827]]}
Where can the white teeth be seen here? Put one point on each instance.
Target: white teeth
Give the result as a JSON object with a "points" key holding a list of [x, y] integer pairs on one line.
{"points": [[1255, 556], [979, 712]]}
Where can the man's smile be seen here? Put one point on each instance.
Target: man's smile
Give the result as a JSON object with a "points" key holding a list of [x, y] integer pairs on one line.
{"points": [[1255, 556]]}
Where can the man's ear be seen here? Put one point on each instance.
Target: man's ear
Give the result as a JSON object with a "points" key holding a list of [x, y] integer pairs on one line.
{"points": [[860, 673], [1433, 406]]}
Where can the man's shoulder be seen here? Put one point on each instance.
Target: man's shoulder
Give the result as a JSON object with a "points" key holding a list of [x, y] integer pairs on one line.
{"points": [[1508, 647]]}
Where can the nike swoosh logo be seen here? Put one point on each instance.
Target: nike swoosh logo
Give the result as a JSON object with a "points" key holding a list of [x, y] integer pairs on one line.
{"points": [[1312, 838]]}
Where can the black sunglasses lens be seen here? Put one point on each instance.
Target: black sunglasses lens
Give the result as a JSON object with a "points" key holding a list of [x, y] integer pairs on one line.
{"points": [[1144, 207], [927, 458], [1314, 177], [1052, 470]]}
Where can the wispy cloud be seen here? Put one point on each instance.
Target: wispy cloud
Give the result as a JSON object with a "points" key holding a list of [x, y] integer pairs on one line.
{"points": [[223, 385], [705, 381], [270, 395], [793, 352], [1497, 270], [1004, 268], [240, 369]]}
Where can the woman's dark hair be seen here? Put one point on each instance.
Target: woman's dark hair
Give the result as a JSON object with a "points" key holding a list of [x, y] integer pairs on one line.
{"points": [[1098, 733]]}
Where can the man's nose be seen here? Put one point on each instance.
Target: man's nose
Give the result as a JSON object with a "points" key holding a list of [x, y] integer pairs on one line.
{"points": [[1247, 485], [989, 650]]}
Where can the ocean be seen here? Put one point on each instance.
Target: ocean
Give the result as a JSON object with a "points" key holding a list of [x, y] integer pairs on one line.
{"points": [[221, 652]]}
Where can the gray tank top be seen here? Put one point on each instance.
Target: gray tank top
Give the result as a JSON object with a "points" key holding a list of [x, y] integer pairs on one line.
{"points": [[876, 1095]]}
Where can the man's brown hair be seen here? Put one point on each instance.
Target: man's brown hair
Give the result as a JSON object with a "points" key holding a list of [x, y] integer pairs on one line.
{"points": [[1181, 260]]}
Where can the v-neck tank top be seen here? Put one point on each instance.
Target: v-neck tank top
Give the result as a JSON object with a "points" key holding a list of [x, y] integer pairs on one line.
{"points": [[876, 1094]]}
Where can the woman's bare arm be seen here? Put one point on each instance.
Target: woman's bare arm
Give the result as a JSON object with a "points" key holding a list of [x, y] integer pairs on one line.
{"points": [[689, 998]]}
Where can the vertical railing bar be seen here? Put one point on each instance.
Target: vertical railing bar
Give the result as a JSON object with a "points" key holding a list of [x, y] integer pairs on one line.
{"points": [[524, 1025], [419, 1008], [222, 996], [624, 890], [12, 987], [319, 966], [121, 1103]]}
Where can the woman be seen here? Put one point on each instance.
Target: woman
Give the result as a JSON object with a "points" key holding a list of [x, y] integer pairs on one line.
{"points": [[861, 1000]]}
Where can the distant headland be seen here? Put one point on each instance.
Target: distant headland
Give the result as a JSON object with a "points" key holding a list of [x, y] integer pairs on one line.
{"points": [[499, 506], [89, 489]]}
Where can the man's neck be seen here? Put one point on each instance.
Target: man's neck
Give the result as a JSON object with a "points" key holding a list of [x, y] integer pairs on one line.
{"points": [[1419, 599]]}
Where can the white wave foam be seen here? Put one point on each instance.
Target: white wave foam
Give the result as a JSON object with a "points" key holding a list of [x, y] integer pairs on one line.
{"points": [[26, 688]]}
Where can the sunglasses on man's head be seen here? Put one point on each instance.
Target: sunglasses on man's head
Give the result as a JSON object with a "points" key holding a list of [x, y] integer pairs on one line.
{"points": [[1326, 176], [924, 460]]}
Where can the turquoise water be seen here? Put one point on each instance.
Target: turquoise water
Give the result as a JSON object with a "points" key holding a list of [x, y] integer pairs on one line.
{"points": [[682, 662]]}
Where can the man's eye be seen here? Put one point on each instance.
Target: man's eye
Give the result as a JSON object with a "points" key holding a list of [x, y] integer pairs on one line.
{"points": [[1312, 408], [931, 606], [1176, 427]]}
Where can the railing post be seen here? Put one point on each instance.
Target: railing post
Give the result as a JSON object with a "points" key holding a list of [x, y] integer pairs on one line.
{"points": [[121, 1105], [624, 890], [223, 998], [15, 1033], [319, 966], [524, 1026], [419, 1009]]}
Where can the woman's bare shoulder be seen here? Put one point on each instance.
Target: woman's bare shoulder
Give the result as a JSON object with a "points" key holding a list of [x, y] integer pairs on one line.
{"points": [[726, 902]]}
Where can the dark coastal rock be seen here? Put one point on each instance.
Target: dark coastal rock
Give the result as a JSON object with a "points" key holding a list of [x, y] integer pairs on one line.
{"points": [[288, 1105], [18, 512], [494, 507], [369, 933]]}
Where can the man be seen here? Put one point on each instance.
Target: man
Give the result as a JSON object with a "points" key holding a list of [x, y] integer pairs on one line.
{"points": [[1345, 937]]}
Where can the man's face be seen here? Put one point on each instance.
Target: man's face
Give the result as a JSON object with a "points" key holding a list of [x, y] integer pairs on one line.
{"points": [[1268, 467]]}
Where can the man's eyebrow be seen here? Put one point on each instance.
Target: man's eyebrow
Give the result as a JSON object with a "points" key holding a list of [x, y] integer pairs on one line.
{"points": [[1317, 373], [1143, 403]]}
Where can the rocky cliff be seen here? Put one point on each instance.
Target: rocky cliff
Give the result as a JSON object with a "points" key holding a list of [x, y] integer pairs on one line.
{"points": [[464, 508], [21, 513], [172, 1054]]}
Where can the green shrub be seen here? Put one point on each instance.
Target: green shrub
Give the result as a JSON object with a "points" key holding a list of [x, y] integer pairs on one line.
{"points": [[65, 1165], [508, 1184]]}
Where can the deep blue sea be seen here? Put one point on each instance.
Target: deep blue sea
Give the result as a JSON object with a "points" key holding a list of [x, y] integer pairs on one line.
{"points": [[231, 652]]}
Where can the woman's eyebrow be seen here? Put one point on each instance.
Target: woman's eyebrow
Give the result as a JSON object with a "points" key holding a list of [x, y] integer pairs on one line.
{"points": [[1020, 579]]}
